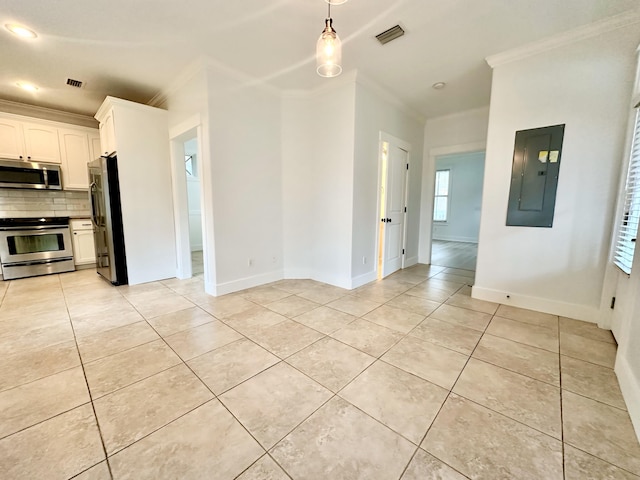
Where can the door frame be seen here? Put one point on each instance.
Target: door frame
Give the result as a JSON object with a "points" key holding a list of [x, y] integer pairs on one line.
{"points": [[406, 146], [178, 135], [431, 185]]}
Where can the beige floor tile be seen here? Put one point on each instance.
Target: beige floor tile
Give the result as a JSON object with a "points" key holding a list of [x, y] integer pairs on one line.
{"points": [[254, 321], [264, 469], [424, 466], [227, 366], [292, 305], [583, 348], [585, 329], [264, 295], [186, 286], [181, 320], [117, 371], [295, 286], [418, 305], [37, 339], [330, 444], [100, 303], [450, 277], [429, 293], [443, 284], [394, 318], [465, 290], [227, 305], [144, 290], [367, 337], [528, 316], [135, 411], [40, 400], [56, 449], [26, 323], [105, 318], [331, 363], [324, 319], [403, 402], [534, 403], [529, 334], [353, 305], [460, 271], [590, 380], [579, 465], [116, 340], [601, 430], [151, 304], [24, 367], [323, 294], [202, 339], [463, 317], [408, 277], [286, 398], [436, 364], [97, 472], [286, 338], [483, 444], [465, 301], [458, 338], [206, 443], [520, 358]]}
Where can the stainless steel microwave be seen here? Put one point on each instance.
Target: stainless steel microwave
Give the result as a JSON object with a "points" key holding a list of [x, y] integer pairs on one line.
{"points": [[16, 174]]}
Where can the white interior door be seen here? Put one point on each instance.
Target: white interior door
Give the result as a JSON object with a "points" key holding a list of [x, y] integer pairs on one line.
{"points": [[394, 209]]}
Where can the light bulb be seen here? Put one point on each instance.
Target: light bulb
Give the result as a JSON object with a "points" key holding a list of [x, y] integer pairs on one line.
{"points": [[20, 31]]}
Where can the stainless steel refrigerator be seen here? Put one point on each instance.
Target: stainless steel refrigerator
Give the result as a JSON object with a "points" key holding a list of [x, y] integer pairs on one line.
{"points": [[106, 217]]}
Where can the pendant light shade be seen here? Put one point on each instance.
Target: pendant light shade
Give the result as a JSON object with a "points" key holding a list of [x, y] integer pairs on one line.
{"points": [[329, 52]]}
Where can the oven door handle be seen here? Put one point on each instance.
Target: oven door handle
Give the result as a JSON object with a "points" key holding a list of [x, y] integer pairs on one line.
{"points": [[30, 229]]}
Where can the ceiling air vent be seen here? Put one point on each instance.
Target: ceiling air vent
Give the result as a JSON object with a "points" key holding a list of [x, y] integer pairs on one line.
{"points": [[391, 34], [74, 83]]}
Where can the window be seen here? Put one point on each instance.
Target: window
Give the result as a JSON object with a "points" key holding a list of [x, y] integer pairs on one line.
{"points": [[628, 230], [441, 200]]}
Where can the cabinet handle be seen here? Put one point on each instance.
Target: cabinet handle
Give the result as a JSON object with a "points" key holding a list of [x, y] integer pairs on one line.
{"points": [[21, 157], [28, 158]]}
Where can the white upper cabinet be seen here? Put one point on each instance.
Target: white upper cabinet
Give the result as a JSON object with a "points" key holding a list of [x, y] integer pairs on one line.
{"points": [[41, 143], [11, 139], [94, 145], [108, 134], [74, 145]]}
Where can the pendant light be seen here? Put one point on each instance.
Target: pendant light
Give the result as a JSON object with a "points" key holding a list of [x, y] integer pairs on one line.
{"points": [[329, 49]]}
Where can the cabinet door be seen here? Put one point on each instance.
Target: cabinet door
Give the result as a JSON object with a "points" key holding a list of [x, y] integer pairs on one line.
{"points": [[94, 145], [74, 145], [11, 139], [83, 247], [41, 143], [108, 135]]}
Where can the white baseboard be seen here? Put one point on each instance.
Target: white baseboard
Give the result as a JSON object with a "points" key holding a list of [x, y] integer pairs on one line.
{"points": [[449, 238], [630, 389], [363, 279], [248, 282], [410, 262], [586, 313]]}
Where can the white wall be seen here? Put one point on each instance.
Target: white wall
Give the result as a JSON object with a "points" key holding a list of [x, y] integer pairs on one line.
{"points": [[376, 113], [466, 171], [585, 85], [461, 132], [317, 195]]}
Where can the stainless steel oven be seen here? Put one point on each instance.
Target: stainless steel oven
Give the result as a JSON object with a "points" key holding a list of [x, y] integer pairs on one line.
{"points": [[35, 246]]}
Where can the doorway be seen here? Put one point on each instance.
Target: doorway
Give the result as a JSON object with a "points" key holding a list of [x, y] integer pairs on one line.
{"points": [[194, 202], [392, 204], [457, 204]]}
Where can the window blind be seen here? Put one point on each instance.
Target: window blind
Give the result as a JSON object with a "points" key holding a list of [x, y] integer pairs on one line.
{"points": [[628, 230]]}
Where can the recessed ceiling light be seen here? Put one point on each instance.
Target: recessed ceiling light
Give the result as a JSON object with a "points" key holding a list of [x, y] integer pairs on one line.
{"points": [[21, 31], [29, 87], [439, 85]]}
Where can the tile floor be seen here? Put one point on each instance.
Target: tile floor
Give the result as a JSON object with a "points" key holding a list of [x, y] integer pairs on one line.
{"points": [[407, 378]]}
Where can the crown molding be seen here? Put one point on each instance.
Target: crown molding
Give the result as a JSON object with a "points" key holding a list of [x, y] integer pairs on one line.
{"points": [[187, 73], [44, 113], [566, 38]]}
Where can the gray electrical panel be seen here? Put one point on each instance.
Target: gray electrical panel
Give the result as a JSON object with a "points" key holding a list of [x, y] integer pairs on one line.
{"points": [[534, 177]]}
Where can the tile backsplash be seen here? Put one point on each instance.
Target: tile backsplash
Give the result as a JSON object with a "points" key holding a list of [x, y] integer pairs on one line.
{"points": [[16, 202]]}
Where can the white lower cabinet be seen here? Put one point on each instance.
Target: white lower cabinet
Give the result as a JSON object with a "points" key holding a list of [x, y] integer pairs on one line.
{"points": [[83, 245]]}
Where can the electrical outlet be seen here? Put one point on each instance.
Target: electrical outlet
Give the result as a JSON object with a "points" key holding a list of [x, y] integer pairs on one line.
{"points": [[250, 262], [364, 260], [274, 259]]}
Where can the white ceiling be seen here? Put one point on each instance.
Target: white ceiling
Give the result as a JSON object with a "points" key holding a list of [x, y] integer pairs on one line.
{"points": [[134, 49]]}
